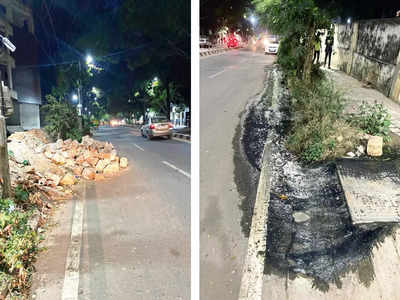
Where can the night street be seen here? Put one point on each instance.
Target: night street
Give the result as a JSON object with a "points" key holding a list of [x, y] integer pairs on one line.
{"points": [[227, 83], [136, 227]]}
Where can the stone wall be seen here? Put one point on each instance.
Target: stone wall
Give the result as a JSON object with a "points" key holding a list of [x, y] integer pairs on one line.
{"points": [[369, 51]]}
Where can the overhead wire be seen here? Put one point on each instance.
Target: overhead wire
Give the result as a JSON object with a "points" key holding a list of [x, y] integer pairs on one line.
{"points": [[77, 60]]}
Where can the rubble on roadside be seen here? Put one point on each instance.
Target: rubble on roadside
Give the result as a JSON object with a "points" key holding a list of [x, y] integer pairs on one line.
{"points": [[53, 168]]}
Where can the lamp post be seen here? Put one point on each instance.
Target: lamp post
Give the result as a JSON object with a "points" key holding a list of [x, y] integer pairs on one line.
{"points": [[89, 60]]}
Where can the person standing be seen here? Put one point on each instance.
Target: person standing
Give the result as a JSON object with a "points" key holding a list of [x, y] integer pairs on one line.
{"points": [[317, 47], [328, 49]]}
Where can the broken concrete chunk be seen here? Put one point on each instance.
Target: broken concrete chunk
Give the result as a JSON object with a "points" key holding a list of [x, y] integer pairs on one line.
{"points": [[68, 179], [108, 147], [92, 161], [101, 164], [111, 170], [87, 141], [89, 173], [375, 145], [113, 155], [52, 147], [78, 170], [59, 144], [361, 149], [300, 217], [59, 159], [55, 179], [123, 162]]}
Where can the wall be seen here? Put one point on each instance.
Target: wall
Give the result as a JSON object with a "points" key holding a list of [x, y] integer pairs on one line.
{"points": [[369, 51], [29, 116]]}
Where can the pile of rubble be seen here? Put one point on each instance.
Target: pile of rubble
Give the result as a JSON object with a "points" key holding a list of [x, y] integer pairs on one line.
{"points": [[53, 168]]}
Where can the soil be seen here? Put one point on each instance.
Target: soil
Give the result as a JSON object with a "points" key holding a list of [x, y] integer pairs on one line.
{"points": [[323, 243]]}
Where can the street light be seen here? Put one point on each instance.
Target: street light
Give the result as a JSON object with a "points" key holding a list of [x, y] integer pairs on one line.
{"points": [[75, 97], [253, 20], [89, 59]]}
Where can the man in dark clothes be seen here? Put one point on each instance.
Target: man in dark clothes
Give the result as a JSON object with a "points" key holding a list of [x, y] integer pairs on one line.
{"points": [[328, 49]]}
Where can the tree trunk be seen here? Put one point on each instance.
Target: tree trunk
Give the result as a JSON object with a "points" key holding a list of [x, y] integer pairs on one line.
{"points": [[4, 164], [308, 62]]}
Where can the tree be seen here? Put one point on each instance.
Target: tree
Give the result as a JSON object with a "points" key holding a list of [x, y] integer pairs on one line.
{"points": [[166, 53], [296, 21], [217, 14]]}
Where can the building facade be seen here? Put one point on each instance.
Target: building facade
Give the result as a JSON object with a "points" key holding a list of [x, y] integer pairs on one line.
{"points": [[17, 69]]}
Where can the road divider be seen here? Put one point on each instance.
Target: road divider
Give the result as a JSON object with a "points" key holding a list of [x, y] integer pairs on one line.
{"points": [[71, 278], [176, 168], [253, 270], [181, 136], [213, 51]]}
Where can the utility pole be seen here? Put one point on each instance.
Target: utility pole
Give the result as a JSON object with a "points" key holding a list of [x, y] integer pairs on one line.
{"points": [[79, 98], [4, 163]]}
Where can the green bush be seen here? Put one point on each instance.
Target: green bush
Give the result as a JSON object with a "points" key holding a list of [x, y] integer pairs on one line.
{"points": [[62, 119], [317, 112], [313, 152], [373, 120], [18, 244]]}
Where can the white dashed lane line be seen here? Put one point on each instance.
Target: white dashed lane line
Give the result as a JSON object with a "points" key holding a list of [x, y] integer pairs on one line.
{"points": [[216, 74], [140, 148], [176, 168]]}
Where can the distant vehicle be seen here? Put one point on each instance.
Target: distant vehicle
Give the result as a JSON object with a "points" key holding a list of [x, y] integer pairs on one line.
{"points": [[157, 126], [204, 42], [232, 42], [116, 122], [271, 44]]}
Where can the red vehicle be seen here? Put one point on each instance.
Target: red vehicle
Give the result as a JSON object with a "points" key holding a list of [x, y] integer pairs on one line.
{"points": [[232, 42]]}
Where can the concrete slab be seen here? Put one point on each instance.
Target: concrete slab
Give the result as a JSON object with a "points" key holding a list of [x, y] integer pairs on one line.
{"points": [[372, 190]]}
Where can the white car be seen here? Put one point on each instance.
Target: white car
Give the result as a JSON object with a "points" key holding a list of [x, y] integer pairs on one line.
{"points": [[271, 45], [204, 42]]}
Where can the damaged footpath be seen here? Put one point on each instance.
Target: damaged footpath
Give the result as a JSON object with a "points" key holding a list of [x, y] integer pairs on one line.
{"points": [[310, 231], [43, 173]]}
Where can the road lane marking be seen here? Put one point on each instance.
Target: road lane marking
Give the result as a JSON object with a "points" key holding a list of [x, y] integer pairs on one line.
{"points": [[176, 169], [216, 74], [140, 148], [71, 277]]}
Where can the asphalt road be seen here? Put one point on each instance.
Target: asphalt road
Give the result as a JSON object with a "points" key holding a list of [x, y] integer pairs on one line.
{"points": [[136, 227], [227, 82]]}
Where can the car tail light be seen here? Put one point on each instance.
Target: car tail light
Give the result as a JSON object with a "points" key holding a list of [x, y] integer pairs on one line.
{"points": [[170, 125], [152, 126]]}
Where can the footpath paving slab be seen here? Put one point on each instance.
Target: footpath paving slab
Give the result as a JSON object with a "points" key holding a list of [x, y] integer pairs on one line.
{"points": [[371, 190], [356, 92]]}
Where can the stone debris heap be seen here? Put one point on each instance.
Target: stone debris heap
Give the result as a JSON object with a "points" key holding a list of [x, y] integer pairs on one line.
{"points": [[53, 168]]}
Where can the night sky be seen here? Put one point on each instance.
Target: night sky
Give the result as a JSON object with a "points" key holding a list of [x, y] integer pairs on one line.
{"points": [[214, 12], [68, 30]]}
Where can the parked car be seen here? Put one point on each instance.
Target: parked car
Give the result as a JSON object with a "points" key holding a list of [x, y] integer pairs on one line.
{"points": [[157, 126], [204, 42], [271, 44]]}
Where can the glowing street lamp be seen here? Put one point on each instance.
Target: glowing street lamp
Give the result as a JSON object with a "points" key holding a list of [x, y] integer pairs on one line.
{"points": [[89, 59], [253, 20], [74, 97]]}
